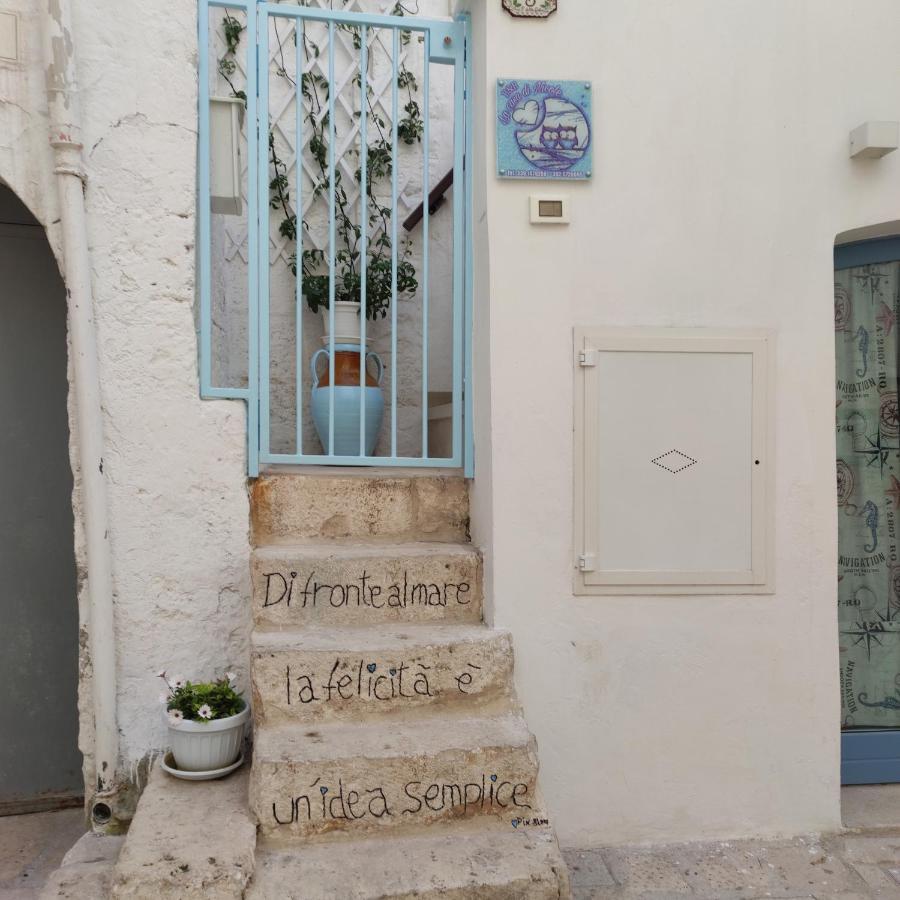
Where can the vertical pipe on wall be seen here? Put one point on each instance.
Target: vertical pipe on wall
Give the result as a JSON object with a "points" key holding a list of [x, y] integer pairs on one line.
{"points": [[298, 226], [426, 216], [257, 157], [264, 337], [65, 138], [395, 116], [332, 239], [363, 224]]}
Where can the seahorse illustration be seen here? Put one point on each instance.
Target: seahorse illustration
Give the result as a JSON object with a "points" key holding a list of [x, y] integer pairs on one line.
{"points": [[887, 703], [870, 511], [863, 337]]}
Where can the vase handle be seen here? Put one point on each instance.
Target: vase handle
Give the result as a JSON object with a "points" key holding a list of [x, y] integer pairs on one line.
{"points": [[314, 363], [378, 363]]}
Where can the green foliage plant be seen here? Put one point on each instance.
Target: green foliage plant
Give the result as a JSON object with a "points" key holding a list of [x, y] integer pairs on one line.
{"points": [[378, 265], [201, 701]]}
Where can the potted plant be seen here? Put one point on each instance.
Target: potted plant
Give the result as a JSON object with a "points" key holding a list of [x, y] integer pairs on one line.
{"points": [[206, 724]]}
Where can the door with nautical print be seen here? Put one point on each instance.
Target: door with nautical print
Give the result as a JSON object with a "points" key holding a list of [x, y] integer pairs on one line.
{"points": [[867, 346]]}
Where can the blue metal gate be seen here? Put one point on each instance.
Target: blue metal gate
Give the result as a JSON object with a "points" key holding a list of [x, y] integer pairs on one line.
{"points": [[332, 131]]}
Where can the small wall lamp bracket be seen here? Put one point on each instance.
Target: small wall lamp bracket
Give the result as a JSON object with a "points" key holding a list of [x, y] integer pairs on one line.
{"points": [[872, 140]]}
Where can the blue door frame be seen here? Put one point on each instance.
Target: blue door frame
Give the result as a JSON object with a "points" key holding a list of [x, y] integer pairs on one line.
{"points": [[868, 755]]}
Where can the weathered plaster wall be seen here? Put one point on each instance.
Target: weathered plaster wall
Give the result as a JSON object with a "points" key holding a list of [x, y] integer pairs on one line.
{"points": [[175, 465], [721, 180]]}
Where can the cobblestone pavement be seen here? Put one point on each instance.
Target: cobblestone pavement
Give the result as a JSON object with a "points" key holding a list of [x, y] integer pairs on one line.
{"points": [[849, 866]]}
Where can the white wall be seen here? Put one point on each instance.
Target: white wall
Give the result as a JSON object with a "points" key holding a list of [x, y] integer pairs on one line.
{"points": [[721, 177]]}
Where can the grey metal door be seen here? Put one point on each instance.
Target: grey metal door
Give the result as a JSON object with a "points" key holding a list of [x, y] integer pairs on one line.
{"points": [[40, 766]]}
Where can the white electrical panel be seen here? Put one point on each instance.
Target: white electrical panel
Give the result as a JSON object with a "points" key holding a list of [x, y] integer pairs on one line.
{"points": [[674, 463]]}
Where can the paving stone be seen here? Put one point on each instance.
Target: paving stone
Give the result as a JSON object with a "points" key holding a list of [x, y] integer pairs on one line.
{"points": [[642, 870], [871, 806], [810, 868], [718, 870], [879, 881], [587, 867], [869, 848]]}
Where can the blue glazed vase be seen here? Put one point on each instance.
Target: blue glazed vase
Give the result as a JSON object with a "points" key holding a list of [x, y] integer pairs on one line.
{"points": [[348, 398]]}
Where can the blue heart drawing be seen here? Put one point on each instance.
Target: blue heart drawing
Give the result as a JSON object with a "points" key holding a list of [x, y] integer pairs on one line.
{"points": [[323, 789], [393, 671], [371, 667], [515, 823], [493, 777]]}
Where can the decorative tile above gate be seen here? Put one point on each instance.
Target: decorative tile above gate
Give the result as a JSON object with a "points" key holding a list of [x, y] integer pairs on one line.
{"points": [[530, 9]]}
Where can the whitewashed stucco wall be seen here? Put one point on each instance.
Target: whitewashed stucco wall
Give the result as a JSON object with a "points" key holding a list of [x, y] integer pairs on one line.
{"points": [[721, 179], [175, 466]]}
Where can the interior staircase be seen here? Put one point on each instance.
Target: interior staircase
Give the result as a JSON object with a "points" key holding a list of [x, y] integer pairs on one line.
{"points": [[390, 755]]}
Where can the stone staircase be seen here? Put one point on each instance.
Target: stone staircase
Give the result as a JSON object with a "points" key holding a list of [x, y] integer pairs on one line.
{"points": [[391, 758]]}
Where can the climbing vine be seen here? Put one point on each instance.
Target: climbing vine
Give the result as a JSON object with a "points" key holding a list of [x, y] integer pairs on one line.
{"points": [[349, 266]]}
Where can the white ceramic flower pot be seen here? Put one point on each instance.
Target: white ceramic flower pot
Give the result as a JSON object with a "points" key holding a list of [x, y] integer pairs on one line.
{"points": [[346, 323], [206, 746]]}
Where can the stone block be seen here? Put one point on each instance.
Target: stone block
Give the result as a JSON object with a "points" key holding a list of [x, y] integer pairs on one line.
{"points": [[377, 776], [450, 864], [321, 675], [188, 840], [363, 584], [396, 507], [86, 870]]}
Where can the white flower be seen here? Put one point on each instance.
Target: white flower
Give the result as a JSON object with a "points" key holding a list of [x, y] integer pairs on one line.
{"points": [[179, 681], [205, 712], [175, 716], [231, 676], [164, 697]]}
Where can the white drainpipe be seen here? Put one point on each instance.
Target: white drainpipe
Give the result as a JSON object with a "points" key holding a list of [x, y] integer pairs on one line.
{"points": [[65, 138]]}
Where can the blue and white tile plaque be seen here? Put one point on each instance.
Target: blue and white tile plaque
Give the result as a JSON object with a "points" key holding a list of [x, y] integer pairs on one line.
{"points": [[543, 128]]}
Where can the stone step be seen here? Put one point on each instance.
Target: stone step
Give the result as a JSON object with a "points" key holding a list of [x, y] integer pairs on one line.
{"points": [[188, 840], [86, 871], [294, 507], [455, 863], [331, 778], [322, 675], [365, 583]]}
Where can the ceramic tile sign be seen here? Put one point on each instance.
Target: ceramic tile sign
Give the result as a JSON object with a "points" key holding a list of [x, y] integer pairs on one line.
{"points": [[530, 9], [543, 128]]}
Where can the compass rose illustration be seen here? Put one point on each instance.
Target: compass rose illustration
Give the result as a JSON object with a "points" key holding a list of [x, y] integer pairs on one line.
{"points": [[870, 632]]}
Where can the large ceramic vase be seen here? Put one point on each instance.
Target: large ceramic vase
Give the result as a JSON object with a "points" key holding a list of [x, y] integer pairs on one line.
{"points": [[348, 398]]}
